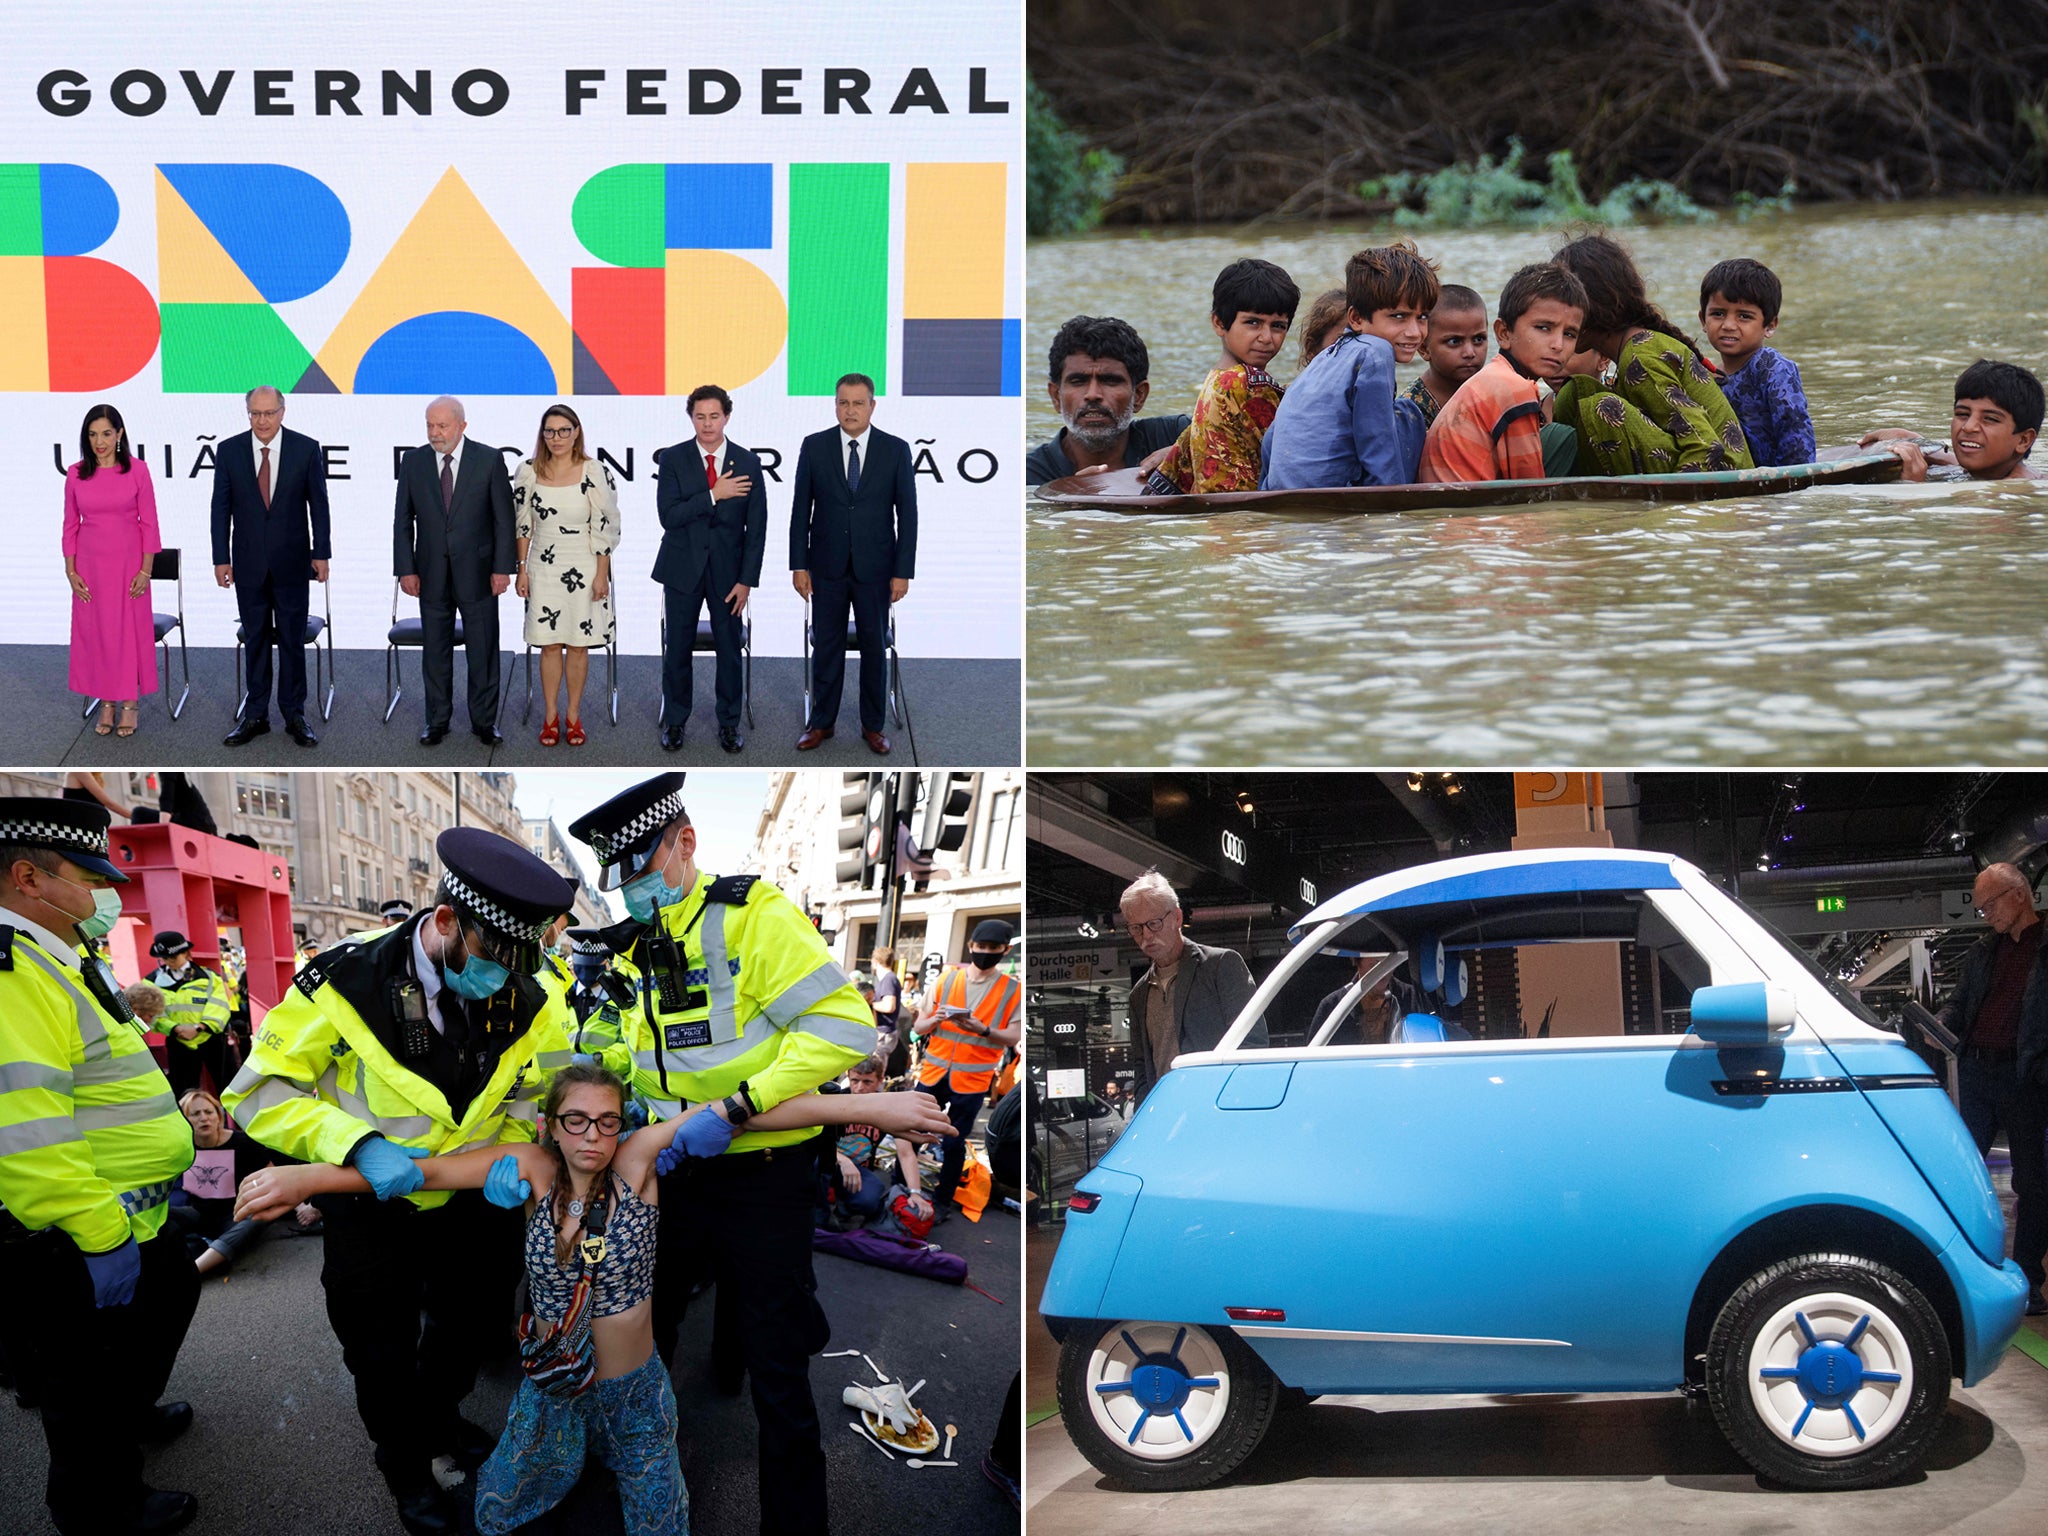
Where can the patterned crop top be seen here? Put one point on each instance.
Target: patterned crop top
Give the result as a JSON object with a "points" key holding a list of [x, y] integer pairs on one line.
{"points": [[624, 1278]]}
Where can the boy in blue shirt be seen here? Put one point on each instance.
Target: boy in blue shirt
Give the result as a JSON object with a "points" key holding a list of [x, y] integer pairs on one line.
{"points": [[1341, 423], [1739, 302]]}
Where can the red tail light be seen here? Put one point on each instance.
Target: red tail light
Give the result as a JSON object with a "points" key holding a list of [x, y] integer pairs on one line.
{"points": [[1080, 1204], [1256, 1314]]}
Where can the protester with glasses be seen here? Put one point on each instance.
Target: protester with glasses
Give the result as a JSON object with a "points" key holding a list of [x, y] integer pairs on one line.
{"points": [[1998, 1013], [1190, 995], [567, 511], [593, 1382]]}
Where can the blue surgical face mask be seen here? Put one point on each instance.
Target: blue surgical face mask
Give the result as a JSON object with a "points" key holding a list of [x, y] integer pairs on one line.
{"points": [[478, 979], [647, 894]]}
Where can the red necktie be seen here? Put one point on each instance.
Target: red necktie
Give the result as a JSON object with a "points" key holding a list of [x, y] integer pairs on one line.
{"points": [[263, 477], [710, 470]]}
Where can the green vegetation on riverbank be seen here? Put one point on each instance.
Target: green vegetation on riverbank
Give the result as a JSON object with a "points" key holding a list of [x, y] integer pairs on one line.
{"points": [[1323, 108]]}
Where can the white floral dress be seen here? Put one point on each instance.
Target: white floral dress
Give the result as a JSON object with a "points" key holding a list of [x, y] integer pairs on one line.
{"points": [[569, 527]]}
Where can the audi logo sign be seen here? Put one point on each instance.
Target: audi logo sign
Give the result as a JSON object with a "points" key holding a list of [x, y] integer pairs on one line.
{"points": [[1308, 892], [1233, 847]]}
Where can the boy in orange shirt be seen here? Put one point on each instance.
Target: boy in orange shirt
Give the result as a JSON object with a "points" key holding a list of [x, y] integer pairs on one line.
{"points": [[1492, 428]]}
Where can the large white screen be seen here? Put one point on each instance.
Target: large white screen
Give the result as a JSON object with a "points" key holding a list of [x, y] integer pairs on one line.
{"points": [[168, 256]]}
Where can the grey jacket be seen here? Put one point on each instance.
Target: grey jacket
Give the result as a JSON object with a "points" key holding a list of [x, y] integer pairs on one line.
{"points": [[1209, 989]]}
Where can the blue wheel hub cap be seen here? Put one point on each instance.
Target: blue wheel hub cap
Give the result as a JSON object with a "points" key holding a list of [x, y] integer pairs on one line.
{"points": [[1159, 1386], [1830, 1374]]}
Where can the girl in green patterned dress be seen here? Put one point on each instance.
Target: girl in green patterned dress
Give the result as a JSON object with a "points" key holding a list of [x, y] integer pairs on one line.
{"points": [[1664, 411]]}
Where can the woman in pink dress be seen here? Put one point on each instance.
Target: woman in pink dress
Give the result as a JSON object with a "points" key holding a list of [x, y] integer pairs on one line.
{"points": [[110, 534]]}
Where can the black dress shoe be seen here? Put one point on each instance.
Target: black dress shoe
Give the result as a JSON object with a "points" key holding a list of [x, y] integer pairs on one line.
{"points": [[488, 735], [301, 732], [671, 738], [166, 1421], [472, 1447], [165, 1510], [423, 1508], [246, 732], [729, 738], [433, 735]]}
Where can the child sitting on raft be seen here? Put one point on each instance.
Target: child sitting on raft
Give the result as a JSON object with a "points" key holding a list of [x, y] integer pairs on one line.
{"points": [[1340, 423], [1664, 412], [1325, 323], [1739, 302], [1997, 417], [1251, 307], [1493, 427], [597, 1385], [1454, 349]]}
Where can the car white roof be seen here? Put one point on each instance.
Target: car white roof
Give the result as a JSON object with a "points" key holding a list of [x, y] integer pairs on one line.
{"points": [[1523, 872]]}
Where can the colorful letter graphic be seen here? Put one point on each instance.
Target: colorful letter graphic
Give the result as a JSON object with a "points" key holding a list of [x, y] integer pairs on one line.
{"points": [[232, 241], [68, 321], [955, 339], [452, 308], [838, 275], [675, 309]]}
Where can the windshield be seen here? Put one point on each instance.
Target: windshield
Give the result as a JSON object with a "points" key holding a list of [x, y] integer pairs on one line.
{"points": [[1836, 989]]}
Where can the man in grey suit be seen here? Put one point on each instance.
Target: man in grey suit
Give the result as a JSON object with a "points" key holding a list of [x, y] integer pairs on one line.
{"points": [[452, 547]]}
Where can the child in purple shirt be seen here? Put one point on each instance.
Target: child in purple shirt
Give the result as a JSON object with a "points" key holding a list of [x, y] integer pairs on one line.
{"points": [[1739, 310]]}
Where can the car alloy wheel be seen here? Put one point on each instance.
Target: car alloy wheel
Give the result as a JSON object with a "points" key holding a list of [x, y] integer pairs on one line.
{"points": [[1163, 1405], [1828, 1371]]}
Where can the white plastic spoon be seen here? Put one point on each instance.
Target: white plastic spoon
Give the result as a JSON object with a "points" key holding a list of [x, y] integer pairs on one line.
{"points": [[915, 1462], [871, 1440], [950, 1433]]}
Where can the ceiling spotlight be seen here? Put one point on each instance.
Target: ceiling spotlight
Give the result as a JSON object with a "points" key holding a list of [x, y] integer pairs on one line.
{"points": [[1415, 783], [1244, 802], [1088, 930], [1958, 839], [1763, 863], [1452, 786]]}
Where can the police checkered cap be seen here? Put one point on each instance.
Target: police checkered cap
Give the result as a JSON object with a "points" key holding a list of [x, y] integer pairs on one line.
{"points": [[490, 914], [75, 828], [588, 949], [628, 824]]}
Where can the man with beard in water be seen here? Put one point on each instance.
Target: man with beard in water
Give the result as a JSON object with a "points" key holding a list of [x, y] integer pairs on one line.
{"points": [[1098, 379]]}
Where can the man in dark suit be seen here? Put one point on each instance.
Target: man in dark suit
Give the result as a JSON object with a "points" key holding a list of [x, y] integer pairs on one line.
{"points": [[269, 540], [852, 539], [714, 520], [453, 548]]}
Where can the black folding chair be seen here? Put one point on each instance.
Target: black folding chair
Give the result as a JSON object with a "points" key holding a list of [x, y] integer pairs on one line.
{"points": [[853, 649], [706, 643], [165, 565], [318, 625], [406, 634]]}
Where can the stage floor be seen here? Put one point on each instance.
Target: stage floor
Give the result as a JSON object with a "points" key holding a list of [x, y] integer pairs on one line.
{"points": [[962, 713]]}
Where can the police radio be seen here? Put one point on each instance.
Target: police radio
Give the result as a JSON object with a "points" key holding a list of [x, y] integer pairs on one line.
{"points": [[409, 1008]]}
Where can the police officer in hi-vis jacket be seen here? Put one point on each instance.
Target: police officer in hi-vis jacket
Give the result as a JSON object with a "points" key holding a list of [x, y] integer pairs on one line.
{"points": [[431, 1037], [739, 1005], [91, 1145]]}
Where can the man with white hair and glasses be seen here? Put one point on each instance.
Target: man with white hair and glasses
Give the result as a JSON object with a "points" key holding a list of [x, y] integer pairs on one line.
{"points": [[1999, 1014], [1190, 995]]}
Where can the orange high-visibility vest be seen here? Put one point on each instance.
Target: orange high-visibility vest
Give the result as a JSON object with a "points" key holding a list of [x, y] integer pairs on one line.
{"points": [[967, 1062]]}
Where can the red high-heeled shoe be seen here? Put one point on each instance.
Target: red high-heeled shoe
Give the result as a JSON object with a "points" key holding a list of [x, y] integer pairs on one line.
{"points": [[575, 736], [550, 734]]}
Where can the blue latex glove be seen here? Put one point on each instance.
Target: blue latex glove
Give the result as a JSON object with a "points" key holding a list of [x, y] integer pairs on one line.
{"points": [[704, 1135], [391, 1169], [114, 1274], [584, 1059], [503, 1186]]}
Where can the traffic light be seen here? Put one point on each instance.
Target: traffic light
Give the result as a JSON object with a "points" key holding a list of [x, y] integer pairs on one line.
{"points": [[947, 808], [864, 824]]}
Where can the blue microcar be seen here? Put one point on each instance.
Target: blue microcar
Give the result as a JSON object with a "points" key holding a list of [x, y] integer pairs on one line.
{"points": [[1703, 1166]]}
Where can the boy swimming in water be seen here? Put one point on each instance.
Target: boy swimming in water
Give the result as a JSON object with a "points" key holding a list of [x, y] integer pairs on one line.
{"points": [[1739, 302], [1250, 308], [1493, 427], [1455, 348], [1341, 423], [1997, 416]]}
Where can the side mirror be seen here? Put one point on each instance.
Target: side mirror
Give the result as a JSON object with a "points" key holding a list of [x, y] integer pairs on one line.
{"points": [[1744, 1013]]}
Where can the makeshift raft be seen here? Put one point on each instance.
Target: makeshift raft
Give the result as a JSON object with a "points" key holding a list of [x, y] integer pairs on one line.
{"points": [[1122, 490]]}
